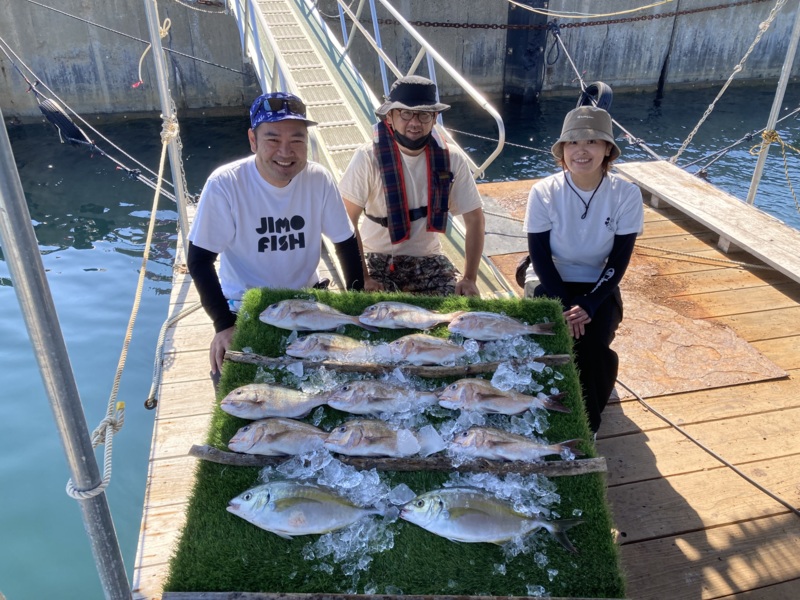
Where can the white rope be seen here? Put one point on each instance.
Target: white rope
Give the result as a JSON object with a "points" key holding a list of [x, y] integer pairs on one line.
{"points": [[762, 29], [115, 414]]}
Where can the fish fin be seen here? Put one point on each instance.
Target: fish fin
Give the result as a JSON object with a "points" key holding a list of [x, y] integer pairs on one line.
{"points": [[542, 328], [558, 529], [572, 445], [285, 536], [552, 403], [367, 327]]}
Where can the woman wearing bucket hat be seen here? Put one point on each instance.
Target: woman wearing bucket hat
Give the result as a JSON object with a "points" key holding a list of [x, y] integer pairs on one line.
{"points": [[582, 224], [406, 182]]}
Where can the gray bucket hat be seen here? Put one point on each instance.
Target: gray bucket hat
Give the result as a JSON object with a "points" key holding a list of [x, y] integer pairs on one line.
{"points": [[586, 123], [412, 93]]}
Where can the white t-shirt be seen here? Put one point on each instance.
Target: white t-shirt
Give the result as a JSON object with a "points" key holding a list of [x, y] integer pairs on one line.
{"points": [[362, 184], [268, 236], [580, 247]]}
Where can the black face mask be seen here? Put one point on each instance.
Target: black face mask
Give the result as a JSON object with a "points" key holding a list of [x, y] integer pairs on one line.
{"points": [[411, 144]]}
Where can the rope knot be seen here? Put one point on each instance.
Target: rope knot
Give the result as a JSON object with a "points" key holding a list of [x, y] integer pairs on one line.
{"points": [[169, 129]]}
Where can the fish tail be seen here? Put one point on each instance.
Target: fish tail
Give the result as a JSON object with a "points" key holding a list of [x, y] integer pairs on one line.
{"points": [[558, 529], [552, 403], [572, 445]]}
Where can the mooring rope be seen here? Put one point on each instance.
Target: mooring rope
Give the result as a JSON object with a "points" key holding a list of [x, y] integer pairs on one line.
{"points": [[708, 450], [767, 138], [115, 414], [762, 29]]}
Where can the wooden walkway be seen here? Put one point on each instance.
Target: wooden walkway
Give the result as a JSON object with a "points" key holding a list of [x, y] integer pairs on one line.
{"points": [[687, 526]]}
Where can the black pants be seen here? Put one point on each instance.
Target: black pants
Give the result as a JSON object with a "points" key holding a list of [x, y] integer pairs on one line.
{"points": [[597, 363]]}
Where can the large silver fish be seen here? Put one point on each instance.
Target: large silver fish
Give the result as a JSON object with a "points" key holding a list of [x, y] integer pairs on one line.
{"points": [[496, 444], [261, 400], [399, 315], [331, 346], [287, 509], [423, 349], [370, 397], [489, 326], [370, 437], [472, 515], [277, 437], [478, 395], [307, 315]]}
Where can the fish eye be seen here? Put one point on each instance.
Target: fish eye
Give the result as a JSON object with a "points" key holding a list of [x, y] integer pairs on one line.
{"points": [[246, 428], [452, 386], [343, 428], [346, 388], [419, 503], [247, 497], [463, 434]]}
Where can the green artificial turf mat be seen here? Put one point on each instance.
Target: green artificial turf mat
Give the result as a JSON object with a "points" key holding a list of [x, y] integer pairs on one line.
{"points": [[222, 552]]}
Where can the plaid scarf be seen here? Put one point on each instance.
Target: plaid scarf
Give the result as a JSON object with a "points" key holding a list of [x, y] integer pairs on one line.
{"points": [[439, 180]]}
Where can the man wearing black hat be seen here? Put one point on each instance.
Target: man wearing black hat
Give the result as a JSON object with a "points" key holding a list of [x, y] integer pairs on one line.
{"points": [[406, 183], [265, 215]]}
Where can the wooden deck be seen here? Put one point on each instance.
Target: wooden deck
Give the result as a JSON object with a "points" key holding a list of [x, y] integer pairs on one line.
{"points": [[688, 527]]}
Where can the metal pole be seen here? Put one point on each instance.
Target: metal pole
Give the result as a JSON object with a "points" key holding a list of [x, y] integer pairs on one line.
{"points": [[151, 9], [776, 105], [21, 251]]}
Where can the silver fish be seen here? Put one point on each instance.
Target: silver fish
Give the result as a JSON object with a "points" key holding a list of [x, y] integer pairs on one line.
{"points": [[489, 326], [399, 315], [288, 509], [370, 397], [307, 315], [472, 515], [496, 444], [479, 395], [262, 400], [369, 437], [423, 349], [277, 437], [331, 346]]}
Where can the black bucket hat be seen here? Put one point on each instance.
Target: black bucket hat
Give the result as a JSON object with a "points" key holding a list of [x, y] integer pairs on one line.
{"points": [[412, 93]]}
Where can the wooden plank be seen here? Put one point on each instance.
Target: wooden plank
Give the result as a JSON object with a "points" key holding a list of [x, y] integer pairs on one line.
{"points": [[186, 366], [763, 325], [160, 532], [171, 481], [714, 562], [175, 437], [189, 336], [753, 230], [677, 505], [731, 302], [784, 352], [786, 590], [720, 280]]}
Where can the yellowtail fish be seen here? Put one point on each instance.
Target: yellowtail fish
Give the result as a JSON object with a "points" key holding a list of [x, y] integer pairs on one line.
{"points": [[496, 444], [399, 315], [478, 395], [331, 346], [307, 315], [472, 515], [262, 400], [277, 437], [423, 349], [287, 509], [489, 326], [368, 437], [370, 397]]}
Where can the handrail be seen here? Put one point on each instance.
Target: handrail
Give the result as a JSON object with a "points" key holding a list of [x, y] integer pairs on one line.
{"points": [[425, 48]]}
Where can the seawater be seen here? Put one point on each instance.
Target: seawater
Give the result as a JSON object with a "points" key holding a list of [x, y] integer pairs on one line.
{"points": [[91, 219]]}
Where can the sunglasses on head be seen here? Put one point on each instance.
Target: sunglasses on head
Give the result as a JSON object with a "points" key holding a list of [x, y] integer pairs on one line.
{"points": [[293, 105]]}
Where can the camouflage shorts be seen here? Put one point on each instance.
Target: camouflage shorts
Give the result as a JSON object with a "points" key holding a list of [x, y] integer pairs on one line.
{"points": [[430, 275]]}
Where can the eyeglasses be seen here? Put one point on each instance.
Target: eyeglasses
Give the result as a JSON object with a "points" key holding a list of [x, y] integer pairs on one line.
{"points": [[293, 105], [424, 117]]}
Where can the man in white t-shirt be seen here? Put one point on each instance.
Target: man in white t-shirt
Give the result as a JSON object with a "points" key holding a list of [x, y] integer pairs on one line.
{"points": [[265, 215], [406, 183]]}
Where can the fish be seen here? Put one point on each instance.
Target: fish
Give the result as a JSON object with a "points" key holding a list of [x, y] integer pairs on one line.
{"points": [[463, 514], [331, 346], [423, 349], [399, 315], [370, 397], [370, 437], [489, 326], [478, 395], [307, 315], [288, 508], [277, 437], [496, 444], [261, 400]]}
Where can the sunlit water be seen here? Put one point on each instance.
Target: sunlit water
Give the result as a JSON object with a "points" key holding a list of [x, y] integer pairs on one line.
{"points": [[91, 222]]}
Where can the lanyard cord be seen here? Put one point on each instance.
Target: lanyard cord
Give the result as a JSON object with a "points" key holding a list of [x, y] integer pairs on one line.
{"points": [[585, 204]]}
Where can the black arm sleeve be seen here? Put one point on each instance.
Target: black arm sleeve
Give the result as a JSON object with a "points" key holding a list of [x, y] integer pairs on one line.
{"points": [[201, 267], [542, 260], [350, 258], [609, 279]]}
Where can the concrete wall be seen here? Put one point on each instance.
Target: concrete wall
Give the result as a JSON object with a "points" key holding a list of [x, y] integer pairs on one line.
{"points": [[92, 69]]}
